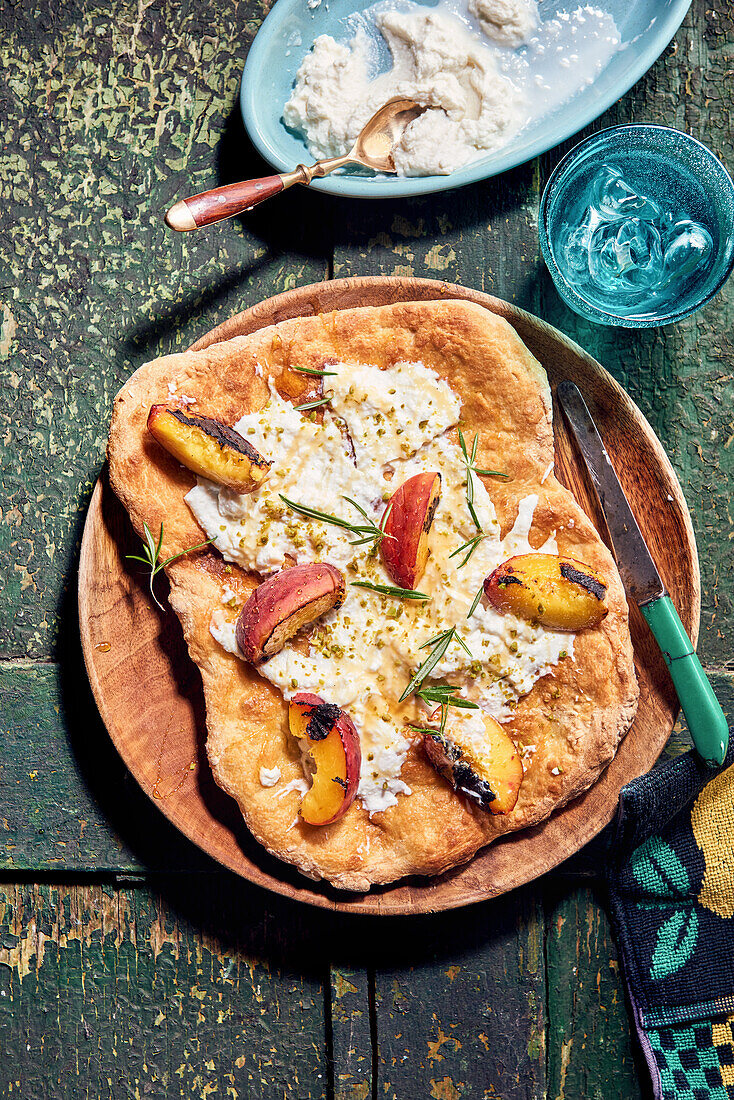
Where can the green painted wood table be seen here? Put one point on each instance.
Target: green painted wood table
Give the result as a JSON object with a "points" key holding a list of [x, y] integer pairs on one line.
{"points": [[130, 965]]}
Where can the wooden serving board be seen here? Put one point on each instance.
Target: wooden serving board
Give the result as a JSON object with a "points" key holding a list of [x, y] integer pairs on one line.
{"points": [[149, 693]]}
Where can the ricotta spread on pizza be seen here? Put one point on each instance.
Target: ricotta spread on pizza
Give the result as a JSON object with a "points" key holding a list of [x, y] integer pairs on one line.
{"points": [[379, 428]]}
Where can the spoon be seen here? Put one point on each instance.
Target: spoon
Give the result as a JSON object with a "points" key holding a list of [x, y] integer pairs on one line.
{"points": [[372, 149]]}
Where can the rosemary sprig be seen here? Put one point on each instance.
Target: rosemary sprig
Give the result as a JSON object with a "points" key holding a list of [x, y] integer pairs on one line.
{"points": [[374, 531], [151, 556], [369, 531], [469, 460], [312, 404], [440, 643], [318, 373], [445, 696], [471, 544], [475, 601], [389, 590]]}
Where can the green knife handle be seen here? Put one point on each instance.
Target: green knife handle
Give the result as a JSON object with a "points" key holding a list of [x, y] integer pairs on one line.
{"points": [[706, 721]]}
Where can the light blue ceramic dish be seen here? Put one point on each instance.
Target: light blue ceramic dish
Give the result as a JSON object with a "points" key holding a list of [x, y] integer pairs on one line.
{"points": [[287, 33]]}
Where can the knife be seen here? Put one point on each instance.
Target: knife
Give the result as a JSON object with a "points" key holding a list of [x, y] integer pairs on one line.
{"points": [[643, 584]]}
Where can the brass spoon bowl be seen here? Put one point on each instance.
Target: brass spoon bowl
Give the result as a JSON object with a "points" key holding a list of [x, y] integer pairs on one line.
{"points": [[372, 149]]}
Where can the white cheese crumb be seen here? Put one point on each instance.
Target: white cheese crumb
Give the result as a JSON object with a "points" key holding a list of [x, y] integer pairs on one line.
{"points": [[224, 632], [269, 776], [547, 473], [300, 785], [506, 22]]}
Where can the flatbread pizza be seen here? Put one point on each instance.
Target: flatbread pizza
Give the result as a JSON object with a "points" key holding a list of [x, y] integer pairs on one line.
{"points": [[411, 638]]}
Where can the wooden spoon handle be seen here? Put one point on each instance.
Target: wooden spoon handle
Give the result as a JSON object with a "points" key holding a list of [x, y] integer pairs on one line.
{"points": [[222, 202]]}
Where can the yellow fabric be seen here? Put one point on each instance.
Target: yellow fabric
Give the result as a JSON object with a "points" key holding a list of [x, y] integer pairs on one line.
{"points": [[712, 820]]}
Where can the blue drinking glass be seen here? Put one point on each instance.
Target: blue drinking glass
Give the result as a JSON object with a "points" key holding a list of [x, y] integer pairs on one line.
{"points": [[687, 187]]}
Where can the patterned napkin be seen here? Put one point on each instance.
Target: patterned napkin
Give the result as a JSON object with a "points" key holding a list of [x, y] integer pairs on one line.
{"points": [[670, 874]]}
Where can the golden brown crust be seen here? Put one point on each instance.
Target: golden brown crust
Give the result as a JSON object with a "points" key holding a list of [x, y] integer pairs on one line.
{"points": [[575, 716]]}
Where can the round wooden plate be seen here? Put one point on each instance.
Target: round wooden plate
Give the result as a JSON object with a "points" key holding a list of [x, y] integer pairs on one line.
{"points": [[149, 693]]}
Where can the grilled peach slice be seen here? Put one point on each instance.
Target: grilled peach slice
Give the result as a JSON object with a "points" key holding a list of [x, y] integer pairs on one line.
{"points": [[411, 510], [284, 603], [489, 773], [561, 593], [331, 739], [208, 448]]}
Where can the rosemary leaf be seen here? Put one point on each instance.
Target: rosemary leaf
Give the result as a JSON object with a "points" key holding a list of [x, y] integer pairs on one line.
{"points": [[314, 513], [318, 373], [475, 601], [369, 532], [462, 704], [389, 590], [471, 544], [312, 404], [360, 509], [491, 473], [436, 638], [190, 550], [463, 644]]}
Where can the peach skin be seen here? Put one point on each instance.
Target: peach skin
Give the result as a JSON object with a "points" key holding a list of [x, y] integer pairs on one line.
{"points": [[332, 741], [410, 513], [284, 603]]}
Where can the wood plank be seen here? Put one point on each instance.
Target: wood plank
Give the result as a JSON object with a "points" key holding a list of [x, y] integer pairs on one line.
{"points": [[589, 1044], [119, 991], [460, 1003], [484, 236], [68, 802], [137, 105], [351, 1012]]}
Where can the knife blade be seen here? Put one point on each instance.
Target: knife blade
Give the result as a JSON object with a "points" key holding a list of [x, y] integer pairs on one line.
{"points": [[643, 584]]}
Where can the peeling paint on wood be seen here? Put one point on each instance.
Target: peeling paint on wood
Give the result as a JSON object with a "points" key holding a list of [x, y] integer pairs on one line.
{"points": [[589, 1049], [108, 992], [109, 113], [460, 1003]]}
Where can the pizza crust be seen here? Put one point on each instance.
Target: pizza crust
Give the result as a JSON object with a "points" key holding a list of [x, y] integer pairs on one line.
{"points": [[575, 716]]}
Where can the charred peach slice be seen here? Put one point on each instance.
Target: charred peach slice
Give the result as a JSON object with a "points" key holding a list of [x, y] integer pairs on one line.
{"points": [[490, 772], [284, 603], [561, 593], [410, 514], [331, 739], [208, 448]]}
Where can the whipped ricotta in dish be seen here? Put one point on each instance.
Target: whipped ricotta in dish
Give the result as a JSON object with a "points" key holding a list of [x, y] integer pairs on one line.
{"points": [[436, 61], [363, 655], [485, 69]]}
